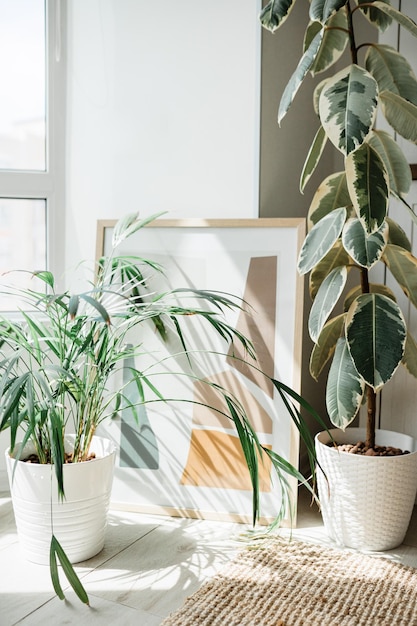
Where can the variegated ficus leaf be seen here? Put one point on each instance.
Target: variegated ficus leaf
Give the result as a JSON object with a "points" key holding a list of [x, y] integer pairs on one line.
{"points": [[335, 39], [331, 194], [311, 31], [365, 249], [316, 95], [399, 174], [410, 355], [313, 157], [325, 300], [403, 266], [355, 292], [376, 333], [347, 107], [345, 387], [320, 239], [275, 13], [321, 10], [367, 181], [391, 71], [375, 16], [336, 257], [396, 15], [298, 76], [397, 236], [400, 114], [324, 349]]}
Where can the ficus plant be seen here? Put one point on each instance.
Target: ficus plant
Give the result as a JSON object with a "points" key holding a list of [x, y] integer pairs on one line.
{"points": [[350, 230]]}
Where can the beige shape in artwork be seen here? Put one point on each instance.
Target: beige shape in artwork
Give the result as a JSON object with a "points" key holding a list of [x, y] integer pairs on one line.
{"points": [[258, 324], [211, 414]]}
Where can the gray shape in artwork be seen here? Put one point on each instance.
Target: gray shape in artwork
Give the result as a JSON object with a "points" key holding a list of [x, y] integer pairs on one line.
{"points": [[138, 444]]}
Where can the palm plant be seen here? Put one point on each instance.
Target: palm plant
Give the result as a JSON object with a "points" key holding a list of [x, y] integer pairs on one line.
{"points": [[58, 359], [349, 226]]}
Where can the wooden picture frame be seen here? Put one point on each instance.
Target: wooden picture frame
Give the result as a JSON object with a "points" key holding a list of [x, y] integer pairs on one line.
{"points": [[184, 473]]}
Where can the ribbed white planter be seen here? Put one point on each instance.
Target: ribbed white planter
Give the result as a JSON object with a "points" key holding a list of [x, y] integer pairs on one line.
{"points": [[366, 502], [79, 522]]}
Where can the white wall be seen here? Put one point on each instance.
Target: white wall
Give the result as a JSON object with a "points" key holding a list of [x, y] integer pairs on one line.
{"points": [[163, 112]]}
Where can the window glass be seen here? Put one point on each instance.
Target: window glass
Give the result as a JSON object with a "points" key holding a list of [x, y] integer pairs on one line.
{"points": [[22, 244], [23, 81]]}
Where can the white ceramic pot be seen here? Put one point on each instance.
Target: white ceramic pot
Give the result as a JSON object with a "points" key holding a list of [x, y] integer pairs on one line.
{"points": [[79, 521], [366, 501]]}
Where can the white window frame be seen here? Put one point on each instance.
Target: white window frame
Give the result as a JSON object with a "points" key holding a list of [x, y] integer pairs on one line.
{"points": [[49, 184]]}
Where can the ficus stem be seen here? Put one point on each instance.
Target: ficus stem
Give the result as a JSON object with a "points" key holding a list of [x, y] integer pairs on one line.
{"points": [[353, 49], [370, 393]]}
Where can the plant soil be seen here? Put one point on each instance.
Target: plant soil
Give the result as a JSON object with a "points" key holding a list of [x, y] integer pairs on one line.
{"points": [[362, 449], [33, 458]]}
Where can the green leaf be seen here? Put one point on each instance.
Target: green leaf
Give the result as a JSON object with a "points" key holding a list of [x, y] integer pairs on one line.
{"points": [[129, 224], [324, 349], [56, 551], [375, 16], [336, 257], [97, 306], [391, 71], [321, 239], [376, 333], [325, 300], [47, 277], [365, 249], [400, 114], [313, 157], [73, 305], [347, 107], [321, 10], [345, 387], [289, 397], [335, 39], [410, 355], [367, 181], [275, 13], [394, 14], [399, 173], [403, 266], [331, 194], [53, 568], [298, 76]]}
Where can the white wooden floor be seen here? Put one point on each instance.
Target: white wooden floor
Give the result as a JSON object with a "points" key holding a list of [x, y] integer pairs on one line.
{"points": [[149, 565]]}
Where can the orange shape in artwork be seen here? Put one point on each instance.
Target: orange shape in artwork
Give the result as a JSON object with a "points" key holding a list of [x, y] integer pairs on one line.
{"points": [[216, 460]]}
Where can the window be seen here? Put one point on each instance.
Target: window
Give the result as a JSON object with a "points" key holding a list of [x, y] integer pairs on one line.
{"points": [[32, 114]]}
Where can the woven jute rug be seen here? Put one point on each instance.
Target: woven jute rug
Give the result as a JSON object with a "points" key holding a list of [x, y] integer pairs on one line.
{"points": [[292, 583]]}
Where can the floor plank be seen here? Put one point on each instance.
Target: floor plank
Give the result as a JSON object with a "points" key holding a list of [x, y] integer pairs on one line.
{"points": [[158, 572]]}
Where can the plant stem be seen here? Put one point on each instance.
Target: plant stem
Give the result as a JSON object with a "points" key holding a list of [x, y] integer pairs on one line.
{"points": [[353, 49], [370, 393], [370, 417], [364, 280]]}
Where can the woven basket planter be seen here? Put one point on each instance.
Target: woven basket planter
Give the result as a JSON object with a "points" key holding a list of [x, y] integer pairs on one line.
{"points": [[366, 502], [80, 520]]}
